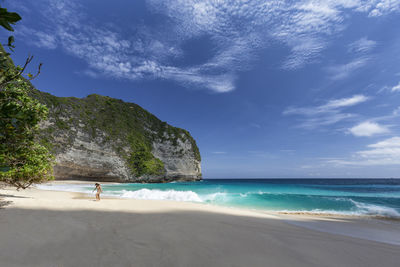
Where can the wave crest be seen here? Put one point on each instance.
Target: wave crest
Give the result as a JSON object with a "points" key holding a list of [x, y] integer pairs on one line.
{"points": [[370, 209], [155, 194]]}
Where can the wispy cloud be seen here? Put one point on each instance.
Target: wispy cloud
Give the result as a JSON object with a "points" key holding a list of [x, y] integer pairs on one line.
{"points": [[339, 72], [40, 39], [362, 45], [376, 8], [344, 102], [330, 106], [392, 88], [386, 152], [396, 88], [361, 48], [236, 29], [368, 128], [326, 114]]}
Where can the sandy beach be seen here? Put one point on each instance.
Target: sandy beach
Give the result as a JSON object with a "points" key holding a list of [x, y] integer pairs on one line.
{"points": [[49, 228]]}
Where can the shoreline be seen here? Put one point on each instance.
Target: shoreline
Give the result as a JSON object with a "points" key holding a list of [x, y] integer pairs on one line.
{"points": [[317, 214], [71, 229], [308, 220]]}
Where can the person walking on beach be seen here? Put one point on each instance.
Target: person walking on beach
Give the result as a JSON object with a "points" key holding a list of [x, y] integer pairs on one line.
{"points": [[99, 190]]}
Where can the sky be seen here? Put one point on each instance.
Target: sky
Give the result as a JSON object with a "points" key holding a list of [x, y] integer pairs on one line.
{"points": [[268, 89]]}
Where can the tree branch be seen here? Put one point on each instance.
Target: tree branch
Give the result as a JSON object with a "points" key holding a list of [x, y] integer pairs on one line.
{"points": [[12, 78]]}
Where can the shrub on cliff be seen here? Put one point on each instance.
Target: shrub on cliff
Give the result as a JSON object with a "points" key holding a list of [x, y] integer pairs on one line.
{"points": [[142, 162]]}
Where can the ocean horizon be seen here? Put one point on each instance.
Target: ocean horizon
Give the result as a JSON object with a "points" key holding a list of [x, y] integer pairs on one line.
{"points": [[339, 196]]}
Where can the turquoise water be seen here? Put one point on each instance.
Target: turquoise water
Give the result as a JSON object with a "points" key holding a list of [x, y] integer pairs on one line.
{"points": [[377, 197]]}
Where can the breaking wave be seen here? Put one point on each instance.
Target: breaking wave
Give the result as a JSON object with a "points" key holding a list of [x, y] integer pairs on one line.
{"points": [[79, 188], [375, 210], [155, 194]]}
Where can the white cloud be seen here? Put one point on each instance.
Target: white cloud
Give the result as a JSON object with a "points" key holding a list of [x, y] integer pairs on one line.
{"points": [[396, 88], [340, 72], [387, 143], [303, 51], [381, 7], [325, 119], [330, 106], [362, 45], [46, 40], [368, 129], [326, 114], [386, 152], [236, 29], [38, 38], [344, 102]]}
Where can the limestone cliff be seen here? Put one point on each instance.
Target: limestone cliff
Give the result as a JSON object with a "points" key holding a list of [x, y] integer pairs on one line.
{"points": [[106, 139]]}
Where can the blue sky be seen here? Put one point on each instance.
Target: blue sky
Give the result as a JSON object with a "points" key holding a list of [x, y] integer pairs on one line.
{"points": [[267, 88]]}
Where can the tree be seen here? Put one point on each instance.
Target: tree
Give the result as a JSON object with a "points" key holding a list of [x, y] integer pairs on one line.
{"points": [[23, 161], [7, 19]]}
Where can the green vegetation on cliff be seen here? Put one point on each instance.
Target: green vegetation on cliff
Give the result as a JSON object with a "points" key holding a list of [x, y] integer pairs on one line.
{"points": [[129, 128]]}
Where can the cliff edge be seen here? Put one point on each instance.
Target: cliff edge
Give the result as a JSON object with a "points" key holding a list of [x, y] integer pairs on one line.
{"points": [[106, 139]]}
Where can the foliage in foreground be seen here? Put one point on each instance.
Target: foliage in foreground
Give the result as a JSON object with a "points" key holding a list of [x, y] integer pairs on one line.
{"points": [[22, 160]]}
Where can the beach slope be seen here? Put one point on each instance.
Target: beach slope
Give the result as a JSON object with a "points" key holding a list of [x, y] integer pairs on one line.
{"points": [[48, 228]]}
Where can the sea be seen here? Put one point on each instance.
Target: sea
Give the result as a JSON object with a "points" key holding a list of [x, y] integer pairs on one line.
{"points": [[371, 197]]}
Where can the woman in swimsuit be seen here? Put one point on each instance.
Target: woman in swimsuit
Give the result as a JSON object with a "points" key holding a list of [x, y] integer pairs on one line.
{"points": [[99, 190]]}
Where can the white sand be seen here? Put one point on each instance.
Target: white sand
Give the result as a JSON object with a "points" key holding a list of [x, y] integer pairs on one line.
{"points": [[48, 228]]}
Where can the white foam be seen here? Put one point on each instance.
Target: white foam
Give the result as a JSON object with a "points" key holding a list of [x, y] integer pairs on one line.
{"points": [[320, 211], [376, 210], [219, 196], [362, 210], [155, 194], [80, 188]]}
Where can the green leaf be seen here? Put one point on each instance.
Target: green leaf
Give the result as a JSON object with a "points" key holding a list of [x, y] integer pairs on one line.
{"points": [[8, 18], [11, 40]]}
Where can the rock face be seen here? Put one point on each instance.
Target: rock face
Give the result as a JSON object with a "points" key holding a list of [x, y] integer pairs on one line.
{"points": [[178, 160], [105, 139], [89, 159]]}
